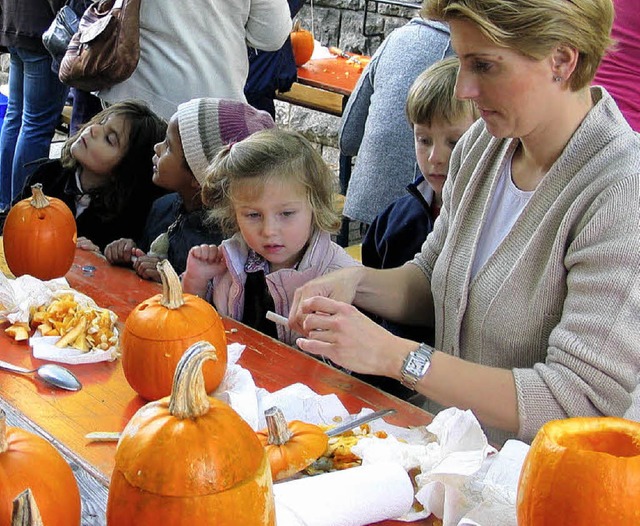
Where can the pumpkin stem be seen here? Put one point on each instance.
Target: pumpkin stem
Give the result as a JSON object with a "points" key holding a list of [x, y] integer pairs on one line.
{"points": [[25, 510], [296, 26], [171, 288], [188, 395], [3, 432], [38, 199], [277, 427]]}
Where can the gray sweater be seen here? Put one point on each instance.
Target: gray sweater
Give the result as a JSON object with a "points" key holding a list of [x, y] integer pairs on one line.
{"points": [[374, 125], [559, 300]]}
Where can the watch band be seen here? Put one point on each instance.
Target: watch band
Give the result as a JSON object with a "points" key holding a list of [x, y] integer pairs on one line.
{"points": [[416, 365]]}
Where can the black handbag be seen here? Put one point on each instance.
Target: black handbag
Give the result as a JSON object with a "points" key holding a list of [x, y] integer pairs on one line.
{"points": [[57, 37]]}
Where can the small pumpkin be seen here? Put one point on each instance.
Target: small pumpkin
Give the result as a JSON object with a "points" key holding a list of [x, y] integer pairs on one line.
{"points": [[292, 446], [39, 236], [29, 461], [190, 459], [582, 471], [25, 510], [302, 44], [157, 332]]}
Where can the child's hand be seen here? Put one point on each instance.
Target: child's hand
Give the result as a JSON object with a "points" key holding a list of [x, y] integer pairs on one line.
{"points": [[145, 266], [86, 244], [119, 252], [204, 263]]}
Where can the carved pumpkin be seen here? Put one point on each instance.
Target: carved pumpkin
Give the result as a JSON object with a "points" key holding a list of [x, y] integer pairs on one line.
{"points": [[157, 332], [25, 510], [39, 236], [190, 459], [29, 461], [582, 471], [290, 447], [302, 44]]}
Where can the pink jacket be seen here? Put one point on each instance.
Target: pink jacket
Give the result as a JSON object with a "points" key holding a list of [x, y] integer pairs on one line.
{"points": [[322, 256]]}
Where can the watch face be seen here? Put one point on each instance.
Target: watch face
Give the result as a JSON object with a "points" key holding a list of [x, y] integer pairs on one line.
{"points": [[414, 366]]}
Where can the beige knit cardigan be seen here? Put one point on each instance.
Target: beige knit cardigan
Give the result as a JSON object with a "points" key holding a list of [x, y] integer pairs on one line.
{"points": [[559, 300]]}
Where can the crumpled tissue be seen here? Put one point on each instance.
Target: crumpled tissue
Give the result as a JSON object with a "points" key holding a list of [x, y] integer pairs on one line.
{"points": [[18, 296], [461, 478]]}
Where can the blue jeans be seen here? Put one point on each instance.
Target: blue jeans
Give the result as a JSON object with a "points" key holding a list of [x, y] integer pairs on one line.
{"points": [[36, 99]]}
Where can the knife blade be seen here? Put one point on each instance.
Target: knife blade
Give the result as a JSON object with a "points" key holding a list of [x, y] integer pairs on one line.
{"points": [[358, 422]]}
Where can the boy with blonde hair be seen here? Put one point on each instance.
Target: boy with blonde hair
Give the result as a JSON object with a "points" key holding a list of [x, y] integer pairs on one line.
{"points": [[438, 120]]}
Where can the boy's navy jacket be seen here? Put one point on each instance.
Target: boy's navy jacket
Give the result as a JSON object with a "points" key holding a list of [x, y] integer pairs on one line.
{"points": [[394, 237], [271, 71], [398, 232]]}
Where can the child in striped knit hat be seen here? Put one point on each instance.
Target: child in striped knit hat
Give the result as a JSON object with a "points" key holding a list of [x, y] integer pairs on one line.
{"points": [[177, 221]]}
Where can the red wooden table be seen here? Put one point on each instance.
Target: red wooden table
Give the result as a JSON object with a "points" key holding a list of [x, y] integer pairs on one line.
{"points": [[106, 402]]}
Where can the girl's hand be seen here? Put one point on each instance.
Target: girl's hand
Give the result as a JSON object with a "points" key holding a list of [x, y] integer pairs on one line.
{"points": [[146, 266], [86, 244], [204, 263], [343, 334], [119, 252]]}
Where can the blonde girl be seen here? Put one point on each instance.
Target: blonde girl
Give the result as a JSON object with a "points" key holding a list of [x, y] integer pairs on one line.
{"points": [[273, 194]]}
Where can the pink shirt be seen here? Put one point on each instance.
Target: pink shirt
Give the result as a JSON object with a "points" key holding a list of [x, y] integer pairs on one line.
{"points": [[619, 71]]}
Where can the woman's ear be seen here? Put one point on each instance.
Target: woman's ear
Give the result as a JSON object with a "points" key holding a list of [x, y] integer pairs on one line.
{"points": [[564, 60]]}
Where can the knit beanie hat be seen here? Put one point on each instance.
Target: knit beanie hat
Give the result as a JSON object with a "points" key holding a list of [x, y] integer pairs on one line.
{"points": [[208, 124]]}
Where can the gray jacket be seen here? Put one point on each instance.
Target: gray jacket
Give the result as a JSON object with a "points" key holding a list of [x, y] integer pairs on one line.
{"points": [[374, 126]]}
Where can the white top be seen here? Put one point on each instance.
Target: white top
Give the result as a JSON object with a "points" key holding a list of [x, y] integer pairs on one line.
{"points": [[506, 206], [198, 48]]}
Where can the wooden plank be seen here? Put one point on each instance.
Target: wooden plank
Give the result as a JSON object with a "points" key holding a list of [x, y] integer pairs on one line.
{"points": [[313, 98]]}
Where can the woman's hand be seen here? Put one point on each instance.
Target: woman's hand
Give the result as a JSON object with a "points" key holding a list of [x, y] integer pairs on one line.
{"points": [[343, 334], [340, 285], [120, 251]]}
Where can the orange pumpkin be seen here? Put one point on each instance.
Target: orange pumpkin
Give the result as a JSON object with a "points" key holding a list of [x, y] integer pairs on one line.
{"points": [[39, 236], [190, 459], [290, 447], [25, 510], [157, 332], [29, 461], [302, 44], [582, 471]]}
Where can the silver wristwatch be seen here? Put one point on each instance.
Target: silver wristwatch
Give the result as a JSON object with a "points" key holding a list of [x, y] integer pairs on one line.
{"points": [[416, 365]]}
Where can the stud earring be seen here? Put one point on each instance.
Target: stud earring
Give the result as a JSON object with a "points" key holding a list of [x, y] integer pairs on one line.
{"points": [[557, 78]]}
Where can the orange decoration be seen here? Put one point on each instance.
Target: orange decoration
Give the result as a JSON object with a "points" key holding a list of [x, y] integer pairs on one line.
{"points": [[29, 461], [582, 471], [190, 459], [39, 236], [157, 332], [302, 44], [290, 447]]}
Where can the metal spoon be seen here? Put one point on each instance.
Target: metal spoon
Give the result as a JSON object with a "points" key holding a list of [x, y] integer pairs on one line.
{"points": [[50, 373]]}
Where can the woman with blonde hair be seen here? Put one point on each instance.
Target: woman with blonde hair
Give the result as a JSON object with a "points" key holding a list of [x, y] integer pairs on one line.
{"points": [[531, 273]]}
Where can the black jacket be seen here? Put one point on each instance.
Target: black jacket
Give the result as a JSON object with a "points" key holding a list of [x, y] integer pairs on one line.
{"points": [[129, 223], [186, 229], [22, 22]]}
